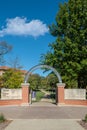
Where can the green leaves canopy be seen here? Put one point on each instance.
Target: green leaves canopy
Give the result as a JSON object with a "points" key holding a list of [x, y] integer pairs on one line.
{"points": [[12, 79], [35, 81], [68, 54]]}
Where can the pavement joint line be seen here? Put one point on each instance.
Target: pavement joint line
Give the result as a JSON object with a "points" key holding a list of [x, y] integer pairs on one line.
{"points": [[42, 119], [44, 106]]}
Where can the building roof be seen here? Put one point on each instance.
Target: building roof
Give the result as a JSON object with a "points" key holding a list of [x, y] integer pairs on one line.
{"points": [[6, 68]]}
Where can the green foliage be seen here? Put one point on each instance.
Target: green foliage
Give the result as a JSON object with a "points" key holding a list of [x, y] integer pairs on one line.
{"points": [[34, 81], [85, 118], [12, 79], [52, 96], [43, 82], [51, 81], [2, 118], [1, 82], [68, 53]]}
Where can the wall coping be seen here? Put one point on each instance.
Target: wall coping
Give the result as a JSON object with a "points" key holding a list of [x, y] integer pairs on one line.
{"points": [[61, 84], [25, 84]]}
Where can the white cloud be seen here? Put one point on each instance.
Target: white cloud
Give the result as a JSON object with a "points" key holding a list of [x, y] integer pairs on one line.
{"points": [[20, 26]]}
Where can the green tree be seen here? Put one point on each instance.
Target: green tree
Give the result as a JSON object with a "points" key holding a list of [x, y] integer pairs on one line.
{"points": [[34, 81], [12, 79], [43, 83], [68, 53], [51, 81], [4, 49]]}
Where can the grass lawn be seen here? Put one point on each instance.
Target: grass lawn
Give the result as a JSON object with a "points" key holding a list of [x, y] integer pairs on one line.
{"points": [[39, 95]]}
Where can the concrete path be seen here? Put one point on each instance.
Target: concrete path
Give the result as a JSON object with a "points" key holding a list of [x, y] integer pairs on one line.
{"points": [[46, 124], [44, 102], [46, 117], [44, 112], [46, 97]]}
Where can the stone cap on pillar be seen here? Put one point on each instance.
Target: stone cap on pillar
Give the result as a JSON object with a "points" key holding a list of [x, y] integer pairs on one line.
{"points": [[25, 84], [61, 84]]}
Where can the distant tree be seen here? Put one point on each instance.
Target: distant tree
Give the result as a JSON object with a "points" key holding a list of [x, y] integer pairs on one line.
{"points": [[43, 83], [68, 54], [39, 82], [51, 81], [12, 79], [4, 49], [15, 63], [35, 81]]}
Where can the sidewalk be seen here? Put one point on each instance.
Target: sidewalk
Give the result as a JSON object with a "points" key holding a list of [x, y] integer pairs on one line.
{"points": [[44, 116], [44, 124]]}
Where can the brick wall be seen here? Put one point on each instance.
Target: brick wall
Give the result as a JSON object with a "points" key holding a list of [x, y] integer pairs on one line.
{"points": [[10, 102], [60, 97], [75, 102], [23, 101]]}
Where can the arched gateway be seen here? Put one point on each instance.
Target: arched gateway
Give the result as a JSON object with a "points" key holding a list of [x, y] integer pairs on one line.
{"points": [[42, 66], [60, 85]]}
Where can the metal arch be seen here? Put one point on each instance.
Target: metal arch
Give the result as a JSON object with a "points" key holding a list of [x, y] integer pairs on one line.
{"points": [[42, 66]]}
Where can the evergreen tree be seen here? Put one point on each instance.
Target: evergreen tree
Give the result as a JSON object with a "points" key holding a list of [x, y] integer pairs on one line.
{"points": [[68, 54]]}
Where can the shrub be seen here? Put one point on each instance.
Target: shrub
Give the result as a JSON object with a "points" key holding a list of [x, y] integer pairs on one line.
{"points": [[2, 118], [86, 118]]}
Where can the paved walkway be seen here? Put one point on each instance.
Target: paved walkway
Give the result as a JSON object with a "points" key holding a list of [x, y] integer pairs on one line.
{"points": [[44, 117], [44, 103], [46, 97], [46, 124], [44, 112]]}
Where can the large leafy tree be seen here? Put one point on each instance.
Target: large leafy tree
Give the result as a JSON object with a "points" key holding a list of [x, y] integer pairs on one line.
{"points": [[12, 79], [68, 53], [4, 49]]}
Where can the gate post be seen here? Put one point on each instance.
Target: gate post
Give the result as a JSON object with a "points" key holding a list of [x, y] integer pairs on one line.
{"points": [[60, 93], [25, 93]]}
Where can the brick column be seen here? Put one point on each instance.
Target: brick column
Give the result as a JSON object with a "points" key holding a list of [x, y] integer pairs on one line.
{"points": [[25, 93], [60, 93]]}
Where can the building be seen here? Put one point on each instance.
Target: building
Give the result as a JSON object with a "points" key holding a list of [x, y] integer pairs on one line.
{"points": [[3, 69]]}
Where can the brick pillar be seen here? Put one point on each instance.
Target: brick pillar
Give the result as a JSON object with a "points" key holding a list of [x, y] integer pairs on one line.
{"points": [[60, 93], [25, 93]]}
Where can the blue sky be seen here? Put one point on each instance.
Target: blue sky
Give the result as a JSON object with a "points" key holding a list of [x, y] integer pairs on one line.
{"points": [[24, 25]]}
